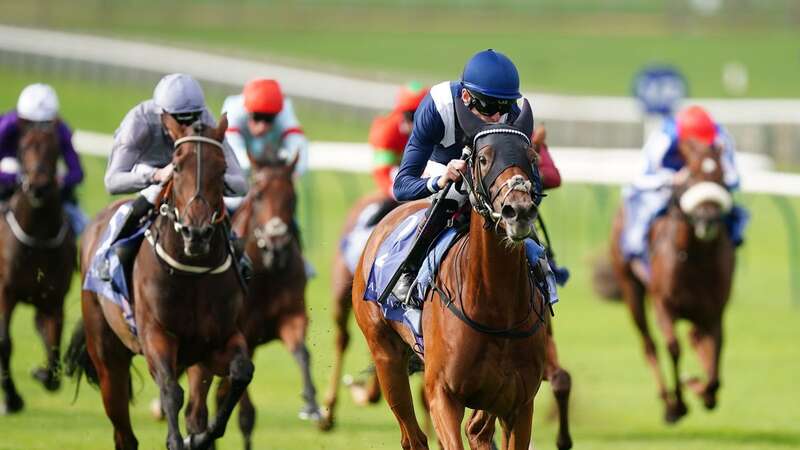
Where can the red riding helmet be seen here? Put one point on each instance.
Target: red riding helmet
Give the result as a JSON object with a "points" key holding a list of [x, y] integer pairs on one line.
{"points": [[263, 96], [410, 96], [695, 123]]}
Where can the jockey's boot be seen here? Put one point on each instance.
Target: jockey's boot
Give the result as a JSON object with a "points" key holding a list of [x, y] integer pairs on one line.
{"points": [[434, 224], [385, 207], [127, 253], [560, 272]]}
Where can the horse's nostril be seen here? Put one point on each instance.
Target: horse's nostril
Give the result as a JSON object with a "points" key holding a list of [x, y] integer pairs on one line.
{"points": [[186, 232], [509, 212], [206, 232]]}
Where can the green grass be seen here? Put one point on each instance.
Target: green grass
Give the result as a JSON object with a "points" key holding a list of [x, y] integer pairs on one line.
{"points": [[579, 47]]}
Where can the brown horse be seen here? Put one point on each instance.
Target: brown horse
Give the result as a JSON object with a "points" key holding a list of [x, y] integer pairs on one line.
{"points": [[692, 260], [274, 307], [486, 339], [38, 257], [186, 298], [368, 391]]}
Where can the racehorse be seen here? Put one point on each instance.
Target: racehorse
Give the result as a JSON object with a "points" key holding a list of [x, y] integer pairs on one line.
{"points": [[369, 392], [186, 298], [691, 269], [274, 307], [486, 339], [38, 257]]}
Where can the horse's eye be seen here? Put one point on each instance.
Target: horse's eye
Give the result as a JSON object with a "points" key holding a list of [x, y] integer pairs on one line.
{"points": [[176, 168], [482, 159], [259, 195]]}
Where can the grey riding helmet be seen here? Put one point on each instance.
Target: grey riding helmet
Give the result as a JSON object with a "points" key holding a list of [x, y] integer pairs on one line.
{"points": [[181, 96]]}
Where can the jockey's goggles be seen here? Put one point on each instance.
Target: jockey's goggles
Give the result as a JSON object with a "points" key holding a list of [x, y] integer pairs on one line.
{"points": [[187, 118], [262, 117], [489, 106]]}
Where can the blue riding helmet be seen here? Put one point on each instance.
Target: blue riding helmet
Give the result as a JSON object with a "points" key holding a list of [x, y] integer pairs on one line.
{"points": [[492, 74]]}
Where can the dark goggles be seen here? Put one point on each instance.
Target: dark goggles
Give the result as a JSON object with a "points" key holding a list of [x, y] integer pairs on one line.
{"points": [[262, 117], [187, 118], [489, 106]]}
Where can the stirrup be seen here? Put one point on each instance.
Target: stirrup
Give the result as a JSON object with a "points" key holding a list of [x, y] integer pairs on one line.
{"points": [[403, 290]]}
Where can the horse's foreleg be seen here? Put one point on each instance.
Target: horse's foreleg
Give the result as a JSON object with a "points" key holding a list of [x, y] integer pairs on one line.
{"points": [[708, 345], [519, 429], [161, 350], [247, 419], [13, 402], [50, 324], [200, 379], [633, 293], [240, 373], [293, 334], [561, 383], [341, 314], [447, 413], [676, 408], [480, 430]]}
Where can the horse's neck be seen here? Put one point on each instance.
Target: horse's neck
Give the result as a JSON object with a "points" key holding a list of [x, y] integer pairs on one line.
{"points": [[43, 221], [498, 272]]}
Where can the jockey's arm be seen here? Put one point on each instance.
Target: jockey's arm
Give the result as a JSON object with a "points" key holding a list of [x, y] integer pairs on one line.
{"points": [[654, 175], [74, 170], [8, 127], [295, 145], [728, 158], [238, 145], [428, 130], [123, 174]]}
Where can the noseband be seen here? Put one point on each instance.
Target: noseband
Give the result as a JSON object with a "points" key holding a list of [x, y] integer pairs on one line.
{"points": [[478, 192], [172, 211]]}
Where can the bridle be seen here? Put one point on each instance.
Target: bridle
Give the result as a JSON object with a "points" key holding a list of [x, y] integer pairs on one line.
{"points": [[170, 210], [482, 202]]}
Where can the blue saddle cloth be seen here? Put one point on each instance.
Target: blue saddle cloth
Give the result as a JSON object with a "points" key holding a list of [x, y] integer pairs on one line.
{"points": [[116, 289], [391, 254]]}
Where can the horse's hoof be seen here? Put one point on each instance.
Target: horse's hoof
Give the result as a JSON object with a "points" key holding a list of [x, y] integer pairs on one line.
{"points": [[359, 394], [564, 443], [14, 404], [675, 412], [155, 409], [310, 412], [325, 422], [50, 382], [710, 402]]}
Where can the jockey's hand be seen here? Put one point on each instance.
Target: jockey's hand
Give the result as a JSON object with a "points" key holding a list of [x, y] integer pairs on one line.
{"points": [[453, 173], [680, 177], [163, 174]]}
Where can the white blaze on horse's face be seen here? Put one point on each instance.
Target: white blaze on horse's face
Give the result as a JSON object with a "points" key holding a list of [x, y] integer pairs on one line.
{"points": [[271, 239], [517, 211]]}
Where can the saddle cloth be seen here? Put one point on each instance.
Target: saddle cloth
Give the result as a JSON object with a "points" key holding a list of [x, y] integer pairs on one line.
{"points": [[116, 289]]}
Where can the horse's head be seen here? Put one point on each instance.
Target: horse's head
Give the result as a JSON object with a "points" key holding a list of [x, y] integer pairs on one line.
{"points": [[38, 157], [195, 203], [501, 167], [703, 197], [273, 208]]}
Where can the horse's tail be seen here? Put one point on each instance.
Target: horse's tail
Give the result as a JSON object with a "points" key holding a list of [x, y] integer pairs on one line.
{"points": [[604, 282], [77, 361]]}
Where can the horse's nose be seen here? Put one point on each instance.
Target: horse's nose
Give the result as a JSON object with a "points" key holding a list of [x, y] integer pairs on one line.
{"points": [[519, 211], [197, 233]]}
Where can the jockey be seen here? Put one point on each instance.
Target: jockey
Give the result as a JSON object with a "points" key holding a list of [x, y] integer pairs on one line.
{"points": [[141, 158], [38, 105], [649, 194], [489, 86], [262, 120], [388, 137]]}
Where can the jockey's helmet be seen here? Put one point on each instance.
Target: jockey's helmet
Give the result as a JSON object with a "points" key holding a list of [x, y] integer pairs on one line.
{"points": [[491, 74], [263, 96], [409, 97], [181, 96], [694, 122], [38, 103]]}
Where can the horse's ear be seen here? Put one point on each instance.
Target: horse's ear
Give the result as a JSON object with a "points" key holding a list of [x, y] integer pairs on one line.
{"points": [[469, 122], [293, 162], [175, 130], [524, 121], [222, 127]]}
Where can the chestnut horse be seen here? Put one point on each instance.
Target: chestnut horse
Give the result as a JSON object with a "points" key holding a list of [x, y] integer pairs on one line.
{"points": [[38, 257], [186, 298], [369, 392], [691, 260], [486, 339], [274, 307]]}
